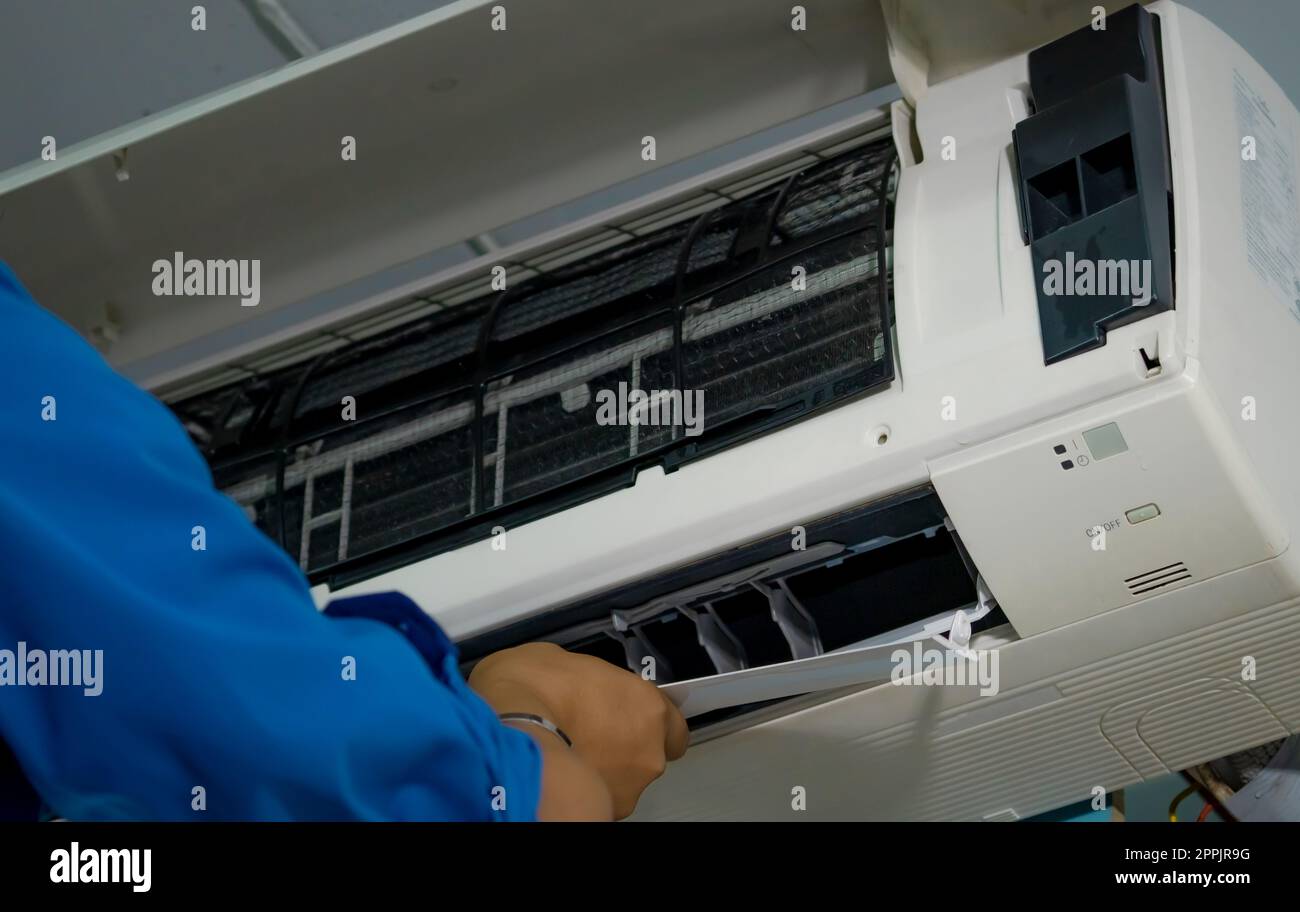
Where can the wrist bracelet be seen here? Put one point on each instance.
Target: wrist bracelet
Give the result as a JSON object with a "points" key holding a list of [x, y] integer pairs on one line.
{"points": [[532, 719]]}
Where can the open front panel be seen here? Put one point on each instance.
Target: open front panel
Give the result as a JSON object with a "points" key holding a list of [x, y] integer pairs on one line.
{"points": [[655, 351]]}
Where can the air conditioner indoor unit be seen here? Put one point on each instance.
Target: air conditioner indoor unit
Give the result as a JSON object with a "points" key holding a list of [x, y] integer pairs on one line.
{"points": [[1000, 370]]}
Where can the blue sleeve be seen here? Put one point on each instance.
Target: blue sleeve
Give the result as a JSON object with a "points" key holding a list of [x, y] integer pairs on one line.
{"points": [[216, 672]]}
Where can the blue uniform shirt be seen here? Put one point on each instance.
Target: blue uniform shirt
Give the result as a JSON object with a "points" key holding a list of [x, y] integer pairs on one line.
{"points": [[217, 672]]}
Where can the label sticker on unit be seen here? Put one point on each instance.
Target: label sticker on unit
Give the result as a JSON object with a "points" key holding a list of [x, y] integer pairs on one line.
{"points": [[1268, 195]]}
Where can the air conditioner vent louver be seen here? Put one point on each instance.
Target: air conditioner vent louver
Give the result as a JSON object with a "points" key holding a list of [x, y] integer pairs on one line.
{"points": [[874, 571], [845, 602], [425, 435], [1158, 578]]}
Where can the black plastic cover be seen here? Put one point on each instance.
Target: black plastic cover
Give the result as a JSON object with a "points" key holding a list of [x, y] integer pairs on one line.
{"points": [[1095, 186]]}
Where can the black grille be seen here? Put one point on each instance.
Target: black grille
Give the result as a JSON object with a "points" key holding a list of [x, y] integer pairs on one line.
{"points": [[427, 436]]}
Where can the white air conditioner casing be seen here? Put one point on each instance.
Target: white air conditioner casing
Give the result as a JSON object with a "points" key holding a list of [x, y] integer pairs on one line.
{"points": [[1175, 644]]}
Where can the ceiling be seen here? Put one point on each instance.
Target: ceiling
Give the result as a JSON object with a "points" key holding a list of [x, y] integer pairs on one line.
{"points": [[88, 66]]}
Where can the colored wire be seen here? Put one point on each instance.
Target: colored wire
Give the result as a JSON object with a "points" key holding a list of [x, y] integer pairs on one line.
{"points": [[1178, 799]]}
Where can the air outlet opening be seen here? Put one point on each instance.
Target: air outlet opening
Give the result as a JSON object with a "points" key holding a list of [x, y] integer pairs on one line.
{"points": [[884, 588], [604, 647], [872, 571], [748, 618]]}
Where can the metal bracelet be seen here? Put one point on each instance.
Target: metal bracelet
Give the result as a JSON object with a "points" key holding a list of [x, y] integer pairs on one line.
{"points": [[532, 719]]}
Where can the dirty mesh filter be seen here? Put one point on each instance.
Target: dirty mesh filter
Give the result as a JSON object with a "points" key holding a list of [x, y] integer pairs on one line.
{"points": [[729, 233], [623, 272], [761, 343], [837, 192], [394, 359], [251, 484], [379, 482], [583, 376], [544, 426], [204, 416], [225, 422]]}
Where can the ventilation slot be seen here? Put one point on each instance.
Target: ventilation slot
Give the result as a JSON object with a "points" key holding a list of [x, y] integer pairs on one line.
{"points": [[1158, 578]]}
